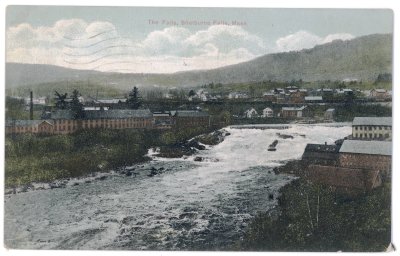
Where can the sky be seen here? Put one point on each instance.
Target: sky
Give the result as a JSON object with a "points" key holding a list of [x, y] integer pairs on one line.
{"points": [[166, 40]]}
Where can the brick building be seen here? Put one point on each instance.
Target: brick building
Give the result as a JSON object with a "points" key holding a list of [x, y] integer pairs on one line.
{"points": [[294, 112], [29, 126], [372, 128], [63, 122], [373, 155], [163, 120], [359, 165]]}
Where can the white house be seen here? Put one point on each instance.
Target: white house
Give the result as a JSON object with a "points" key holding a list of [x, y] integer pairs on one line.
{"points": [[251, 113], [267, 112]]}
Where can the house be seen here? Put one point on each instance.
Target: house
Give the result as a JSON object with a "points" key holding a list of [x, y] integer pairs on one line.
{"points": [[294, 112], [237, 95], [36, 101], [251, 113], [296, 97], [29, 126], [329, 115], [269, 97], [281, 97], [379, 94], [372, 128], [268, 112], [191, 118]]}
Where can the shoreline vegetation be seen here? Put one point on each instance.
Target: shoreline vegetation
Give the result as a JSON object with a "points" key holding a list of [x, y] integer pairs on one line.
{"points": [[35, 158], [315, 218]]}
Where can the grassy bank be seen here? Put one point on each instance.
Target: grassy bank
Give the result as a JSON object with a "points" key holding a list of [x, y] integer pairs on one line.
{"points": [[315, 218], [33, 158]]}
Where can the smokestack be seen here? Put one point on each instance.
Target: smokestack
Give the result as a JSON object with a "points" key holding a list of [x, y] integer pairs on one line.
{"points": [[31, 107]]}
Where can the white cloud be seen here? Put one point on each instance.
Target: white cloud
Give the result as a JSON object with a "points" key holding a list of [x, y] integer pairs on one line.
{"points": [[78, 44], [305, 40], [75, 43]]}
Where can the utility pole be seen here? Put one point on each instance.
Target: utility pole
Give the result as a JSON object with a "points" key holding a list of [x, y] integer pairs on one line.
{"points": [[31, 107]]}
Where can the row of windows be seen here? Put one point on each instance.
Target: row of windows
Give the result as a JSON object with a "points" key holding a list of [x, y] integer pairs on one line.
{"points": [[372, 135], [116, 125], [25, 128], [369, 128]]}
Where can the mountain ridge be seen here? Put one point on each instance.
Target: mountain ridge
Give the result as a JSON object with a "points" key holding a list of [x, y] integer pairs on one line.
{"points": [[362, 58]]}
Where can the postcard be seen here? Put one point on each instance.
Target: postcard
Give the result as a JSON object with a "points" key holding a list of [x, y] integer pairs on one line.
{"points": [[198, 129]]}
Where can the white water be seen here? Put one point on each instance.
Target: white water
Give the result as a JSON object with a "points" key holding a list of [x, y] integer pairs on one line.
{"points": [[192, 205]]}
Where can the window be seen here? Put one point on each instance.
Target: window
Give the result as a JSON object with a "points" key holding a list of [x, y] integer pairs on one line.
{"points": [[356, 128], [370, 128]]}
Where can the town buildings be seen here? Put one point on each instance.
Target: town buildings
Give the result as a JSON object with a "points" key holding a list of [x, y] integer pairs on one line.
{"points": [[379, 94], [294, 112], [267, 112], [360, 163], [372, 128], [251, 113], [63, 121], [29, 126], [329, 115], [368, 155]]}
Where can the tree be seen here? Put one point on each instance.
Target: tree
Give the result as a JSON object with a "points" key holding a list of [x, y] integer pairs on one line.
{"points": [[252, 91], [192, 93], [60, 100], [76, 106], [133, 100]]}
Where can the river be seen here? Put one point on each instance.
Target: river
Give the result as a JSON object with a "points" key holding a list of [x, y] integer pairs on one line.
{"points": [[190, 206]]}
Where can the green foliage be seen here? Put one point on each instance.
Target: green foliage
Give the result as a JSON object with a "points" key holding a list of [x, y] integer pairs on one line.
{"points": [[169, 138], [84, 87], [348, 112], [76, 106], [133, 100], [314, 218], [32, 158], [15, 109]]}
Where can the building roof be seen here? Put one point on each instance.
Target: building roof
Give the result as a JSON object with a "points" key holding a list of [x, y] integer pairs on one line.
{"points": [[104, 114], [313, 98], [11, 123], [294, 108], [372, 147], [321, 148], [386, 121], [111, 101], [330, 110], [190, 113], [379, 90]]}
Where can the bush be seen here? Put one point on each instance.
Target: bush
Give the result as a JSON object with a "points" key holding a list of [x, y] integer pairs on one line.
{"points": [[314, 218]]}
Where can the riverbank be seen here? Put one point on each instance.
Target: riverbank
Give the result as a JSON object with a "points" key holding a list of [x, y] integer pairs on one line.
{"points": [[31, 158], [314, 218]]}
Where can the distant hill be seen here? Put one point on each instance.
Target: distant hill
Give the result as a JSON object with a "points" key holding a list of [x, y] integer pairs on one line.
{"points": [[362, 58]]}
